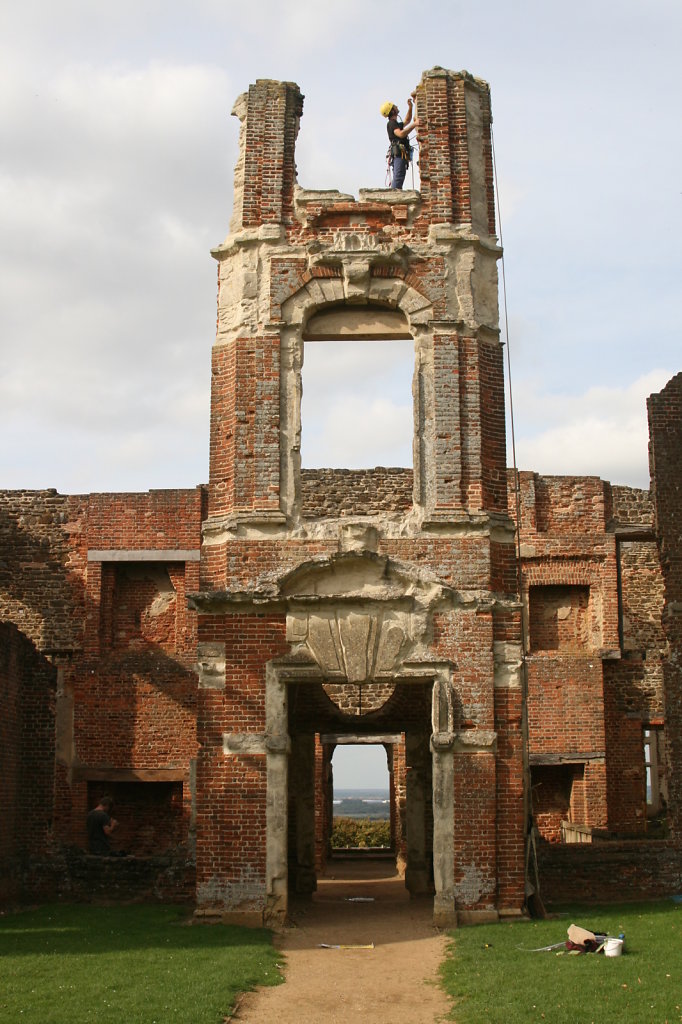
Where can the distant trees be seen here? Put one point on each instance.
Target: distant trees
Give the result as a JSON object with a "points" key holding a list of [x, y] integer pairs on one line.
{"points": [[360, 832]]}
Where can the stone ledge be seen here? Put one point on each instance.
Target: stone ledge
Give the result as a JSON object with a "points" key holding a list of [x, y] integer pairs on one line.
{"points": [[144, 555]]}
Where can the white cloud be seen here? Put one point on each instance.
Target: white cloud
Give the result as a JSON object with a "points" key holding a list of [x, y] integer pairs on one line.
{"points": [[601, 432], [106, 284], [357, 404], [356, 434], [116, 179]]}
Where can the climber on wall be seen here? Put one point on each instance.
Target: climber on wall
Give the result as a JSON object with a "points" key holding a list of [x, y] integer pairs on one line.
{"points": [[400, 152]]}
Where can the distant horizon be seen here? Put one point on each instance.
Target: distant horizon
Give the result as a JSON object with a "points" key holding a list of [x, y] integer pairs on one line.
{"points": [[361, 789]]}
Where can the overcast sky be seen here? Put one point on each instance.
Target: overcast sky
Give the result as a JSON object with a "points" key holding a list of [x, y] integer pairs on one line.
{"points": [[116, 170]]}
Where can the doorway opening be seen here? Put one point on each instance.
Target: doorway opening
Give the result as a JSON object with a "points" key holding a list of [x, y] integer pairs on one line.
{"points": [[380, 758], [362, 810]]}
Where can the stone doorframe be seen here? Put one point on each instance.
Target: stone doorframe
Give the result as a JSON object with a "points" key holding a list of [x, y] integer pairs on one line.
{"points": [[289, 669]]}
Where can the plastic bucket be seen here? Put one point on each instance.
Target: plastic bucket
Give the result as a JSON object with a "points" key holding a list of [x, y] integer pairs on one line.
{"points": [[613, 947]]}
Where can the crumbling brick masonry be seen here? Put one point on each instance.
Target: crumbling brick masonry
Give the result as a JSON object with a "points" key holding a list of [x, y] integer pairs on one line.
{"points": [[202, 652]]}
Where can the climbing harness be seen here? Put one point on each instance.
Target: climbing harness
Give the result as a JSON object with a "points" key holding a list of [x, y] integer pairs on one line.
{"points": [[405, 150]]}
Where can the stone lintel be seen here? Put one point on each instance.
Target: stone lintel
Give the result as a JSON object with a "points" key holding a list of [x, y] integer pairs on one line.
{"points": [[406, 602], [392, 196], [466, 741], [357, 322], [467, 329], [455, 522], [346, 738], [623, 531], [225, 602], [461, 234], [248, 236], [572, 758], [475, 741], [251, 525], [327, 196], [144, 555]]}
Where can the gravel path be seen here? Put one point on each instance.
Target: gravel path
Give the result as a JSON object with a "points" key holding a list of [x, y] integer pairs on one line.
{"points": [[396, 981]]}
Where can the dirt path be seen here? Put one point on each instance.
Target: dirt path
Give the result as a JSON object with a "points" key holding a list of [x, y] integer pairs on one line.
{"points": [[395, 981]]}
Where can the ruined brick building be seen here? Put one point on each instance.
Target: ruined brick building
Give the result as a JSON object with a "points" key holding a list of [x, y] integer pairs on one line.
{"points": [[200, 653]]}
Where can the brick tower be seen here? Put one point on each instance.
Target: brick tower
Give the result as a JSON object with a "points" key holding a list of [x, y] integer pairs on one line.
{"points": [[388, 610]]}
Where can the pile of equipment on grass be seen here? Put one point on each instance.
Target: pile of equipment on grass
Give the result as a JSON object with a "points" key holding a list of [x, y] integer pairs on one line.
{"points": [[582, 940]]}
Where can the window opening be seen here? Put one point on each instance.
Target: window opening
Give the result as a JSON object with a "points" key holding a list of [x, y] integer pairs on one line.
{"points": [[356, 406], [559, 618], [151, 815], [653, 764], [559, 803]]}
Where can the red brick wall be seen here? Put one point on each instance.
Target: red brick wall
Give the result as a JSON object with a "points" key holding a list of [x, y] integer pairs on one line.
{"points": [[603, 872], [27, 699], [565, 705], [273, 109], [444, 157], [324, 812], [475, 833], [231, 790], [510, 797], [163, 519], [244, 453], [599, 665], [467, 641], [665, 459], [41, 566], [231, 794], [597, 596], [126, 641], [559, 618], [339, 492]]}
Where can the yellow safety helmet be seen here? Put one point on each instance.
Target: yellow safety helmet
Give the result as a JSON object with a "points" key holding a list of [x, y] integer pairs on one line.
{"points": [[386, 108]]}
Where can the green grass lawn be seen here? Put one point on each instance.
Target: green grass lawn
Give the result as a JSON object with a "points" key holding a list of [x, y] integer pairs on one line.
{"points": [[67, 964], [495, 980]]}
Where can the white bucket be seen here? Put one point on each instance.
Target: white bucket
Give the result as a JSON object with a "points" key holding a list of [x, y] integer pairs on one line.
{"points": [[613, 947]]}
